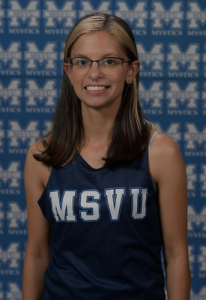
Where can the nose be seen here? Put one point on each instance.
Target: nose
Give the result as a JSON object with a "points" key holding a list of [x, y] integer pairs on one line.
{"points": [[94, 71]]}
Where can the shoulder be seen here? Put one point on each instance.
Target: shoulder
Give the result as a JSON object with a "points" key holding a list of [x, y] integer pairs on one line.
{"points": [[165, 158], [34, 168], [36, 148], [164, 147], [162, 144]]}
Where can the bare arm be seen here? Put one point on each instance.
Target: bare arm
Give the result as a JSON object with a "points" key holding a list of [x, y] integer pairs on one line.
{"points": [[37, 254], [168, 170]]}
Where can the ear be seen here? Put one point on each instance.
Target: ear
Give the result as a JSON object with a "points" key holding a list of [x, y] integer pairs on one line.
{"points": [[67, 71], [132, 72]]}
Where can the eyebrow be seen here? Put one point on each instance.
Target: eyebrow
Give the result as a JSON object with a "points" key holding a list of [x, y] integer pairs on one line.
{"points": [[105, 55]]}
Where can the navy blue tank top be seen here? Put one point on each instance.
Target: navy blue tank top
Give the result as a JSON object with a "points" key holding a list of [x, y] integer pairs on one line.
{"points": [[106, 233]]}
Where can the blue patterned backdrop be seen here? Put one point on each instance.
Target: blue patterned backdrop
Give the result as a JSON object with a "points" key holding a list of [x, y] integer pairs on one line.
{"points": [[171, 40]]}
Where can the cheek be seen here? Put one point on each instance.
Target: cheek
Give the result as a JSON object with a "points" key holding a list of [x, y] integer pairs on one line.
{"points": [[122, 76], [78, 89], [77, 80], [118, 79], [76, 85]]}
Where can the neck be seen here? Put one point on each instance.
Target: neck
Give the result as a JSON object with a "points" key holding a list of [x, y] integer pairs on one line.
{"points": [[98, 125]]}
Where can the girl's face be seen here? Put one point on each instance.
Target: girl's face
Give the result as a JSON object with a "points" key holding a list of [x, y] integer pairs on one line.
{"points": [[95, 46]]}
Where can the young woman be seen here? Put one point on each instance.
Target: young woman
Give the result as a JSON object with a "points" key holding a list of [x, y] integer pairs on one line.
{"points": [[105, 190]]}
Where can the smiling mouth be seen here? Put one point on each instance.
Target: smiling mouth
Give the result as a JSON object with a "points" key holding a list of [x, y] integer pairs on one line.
{"points": [[96, 88]]}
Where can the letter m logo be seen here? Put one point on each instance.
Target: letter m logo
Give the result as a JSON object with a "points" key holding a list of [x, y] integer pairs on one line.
{"points": [[34, 93], [47, 56], [193, 136], [87, 8], [154, 94], [11, 255], [12, 55], [189, 58], [17, 133], [155, 57], [195, 218], [16, 215], [160, 15], [12, 92], [53, 14], [190, 95], [30, 14], [137, 14], [195, 15], [11, 174]]}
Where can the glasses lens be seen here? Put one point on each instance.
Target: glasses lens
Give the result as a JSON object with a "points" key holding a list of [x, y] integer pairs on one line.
{"points": [[79, 65], [110, 65]]}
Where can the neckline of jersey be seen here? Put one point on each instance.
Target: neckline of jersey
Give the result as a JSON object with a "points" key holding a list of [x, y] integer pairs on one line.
{"points": [[88, 165]]}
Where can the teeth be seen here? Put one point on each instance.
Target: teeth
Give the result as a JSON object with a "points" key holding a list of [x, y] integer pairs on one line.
{"points": [[96, 88]]}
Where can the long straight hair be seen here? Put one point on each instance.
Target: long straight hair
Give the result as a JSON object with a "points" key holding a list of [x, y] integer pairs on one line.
{"points": [[130, 134]]}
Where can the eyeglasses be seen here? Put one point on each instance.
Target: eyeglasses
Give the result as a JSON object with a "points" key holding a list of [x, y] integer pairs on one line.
{"points": [[108, 65]]}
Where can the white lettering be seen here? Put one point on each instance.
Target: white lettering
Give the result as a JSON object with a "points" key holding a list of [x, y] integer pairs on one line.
{"points": [[66, 208], [91, 205], [139, 198], [114, 198]]}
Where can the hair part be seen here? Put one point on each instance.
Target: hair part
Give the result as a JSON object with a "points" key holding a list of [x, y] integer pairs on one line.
{"points": [[130, 135]]}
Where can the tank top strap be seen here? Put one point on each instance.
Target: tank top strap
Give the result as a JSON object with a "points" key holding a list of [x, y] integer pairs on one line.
{"points": [[153, 137], [150, 143]]}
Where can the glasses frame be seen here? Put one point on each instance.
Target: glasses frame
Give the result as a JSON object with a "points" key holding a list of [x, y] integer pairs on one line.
{"points": [[98, 60]]}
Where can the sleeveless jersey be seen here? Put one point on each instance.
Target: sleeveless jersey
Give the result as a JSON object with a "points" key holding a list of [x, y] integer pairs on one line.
{"points": [[106, 233]]}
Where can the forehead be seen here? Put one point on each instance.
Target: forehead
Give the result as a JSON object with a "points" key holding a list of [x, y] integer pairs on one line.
{"points": [[96, 45]]}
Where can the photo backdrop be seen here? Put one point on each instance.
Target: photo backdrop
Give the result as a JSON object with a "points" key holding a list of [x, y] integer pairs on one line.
{"points": [[171, 41]]}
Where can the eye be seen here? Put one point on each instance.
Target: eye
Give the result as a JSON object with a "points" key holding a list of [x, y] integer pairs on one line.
{"points": [[109, 61], [80, 61]]}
